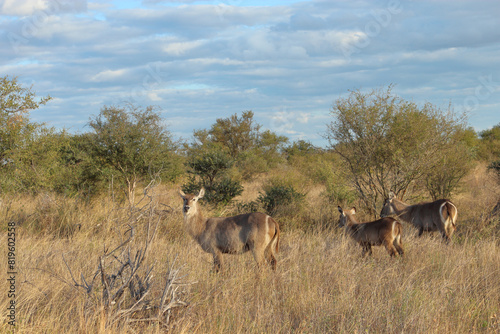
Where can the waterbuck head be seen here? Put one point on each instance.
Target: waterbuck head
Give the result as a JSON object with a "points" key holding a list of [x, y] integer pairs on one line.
{"points": [[344, 219], [387, 208], [190, 205]]}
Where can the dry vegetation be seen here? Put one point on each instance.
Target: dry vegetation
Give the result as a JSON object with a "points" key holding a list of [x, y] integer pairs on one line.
{"points": [[322, 283]]}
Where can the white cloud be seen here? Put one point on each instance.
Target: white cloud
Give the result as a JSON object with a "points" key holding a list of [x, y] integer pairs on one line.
{"points": [[41, 7], [22, 7], [180, 48], [109, 75]]}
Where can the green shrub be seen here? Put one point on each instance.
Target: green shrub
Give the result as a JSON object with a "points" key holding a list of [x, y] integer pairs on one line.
{"points": [[280, 198], [220, 192]]}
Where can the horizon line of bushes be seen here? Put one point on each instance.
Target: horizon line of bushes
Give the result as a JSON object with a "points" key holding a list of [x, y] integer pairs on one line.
{"points": [[378, 142]]}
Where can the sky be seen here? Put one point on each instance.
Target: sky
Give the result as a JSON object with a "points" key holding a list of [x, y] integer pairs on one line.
{"points": [[287, 61]]}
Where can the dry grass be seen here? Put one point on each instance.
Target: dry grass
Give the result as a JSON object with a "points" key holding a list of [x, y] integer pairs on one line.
{"points": [[322, 283]]}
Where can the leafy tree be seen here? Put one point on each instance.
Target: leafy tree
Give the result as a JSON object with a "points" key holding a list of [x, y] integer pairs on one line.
{"points": [[490, 143], [209, 165], [208, 170], [132, 144], [16, 101], [270, 146], [389, 143], [300, 148], [455, 160], [237, 134], [253, 151]]}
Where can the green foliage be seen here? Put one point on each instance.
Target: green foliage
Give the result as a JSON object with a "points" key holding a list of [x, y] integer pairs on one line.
{"points": [[208, 170], [452, 165], [209, 164], [280, 198], [300, 148], [37, 164], [219, 193], [489, 147], [251, 163], [240, 137], [132, 145], [269, 147], [237, 134], [16, 102], [389, 143]]}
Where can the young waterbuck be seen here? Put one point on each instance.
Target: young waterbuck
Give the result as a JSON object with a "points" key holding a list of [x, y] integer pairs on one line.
{"points": [[385, 231], [255, 232], [440, 215]]}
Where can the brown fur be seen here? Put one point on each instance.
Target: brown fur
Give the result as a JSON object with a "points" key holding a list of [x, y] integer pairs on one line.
{"points": [[385, 231], [440, 215], [255, 232]]}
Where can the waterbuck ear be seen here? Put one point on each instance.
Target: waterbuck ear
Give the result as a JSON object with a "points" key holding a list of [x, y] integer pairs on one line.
{"points": [[353, 210], [391, 195], [340, 209], [181, 193], [201, 193]]}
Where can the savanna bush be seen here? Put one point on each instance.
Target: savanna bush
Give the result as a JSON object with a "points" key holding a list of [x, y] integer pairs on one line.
{"points": [[220, 192], [282, 201]]}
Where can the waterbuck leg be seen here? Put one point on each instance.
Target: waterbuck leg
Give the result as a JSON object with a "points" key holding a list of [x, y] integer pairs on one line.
{"points": [[444, 233], [271, 260], [258, 256], [363, 252], [445, 236], [217, 261], [367, 248], [398, 245], [390, 248]]}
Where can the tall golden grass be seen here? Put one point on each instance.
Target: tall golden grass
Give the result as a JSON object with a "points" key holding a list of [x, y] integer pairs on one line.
{"points": [[321, 285]]}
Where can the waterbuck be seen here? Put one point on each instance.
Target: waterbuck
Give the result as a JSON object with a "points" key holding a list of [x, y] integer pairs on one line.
{"points": [[385, 231], [440, 215], [256, 232]]}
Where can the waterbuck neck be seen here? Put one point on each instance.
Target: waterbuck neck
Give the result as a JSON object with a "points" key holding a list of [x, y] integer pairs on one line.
{"points": [[401, 209], [351, 220], [194, 221], [352, 226]]}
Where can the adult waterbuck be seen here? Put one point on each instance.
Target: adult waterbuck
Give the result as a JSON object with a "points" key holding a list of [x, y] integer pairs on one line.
{"points": [[255, 232], [386, 231], [440, 215]]}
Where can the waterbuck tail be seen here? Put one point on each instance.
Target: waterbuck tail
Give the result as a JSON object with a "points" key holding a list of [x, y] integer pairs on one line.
{"points": [[398, 241], [452, 212], [276, 237], [397, 231], [400, 231], [448, 212]]}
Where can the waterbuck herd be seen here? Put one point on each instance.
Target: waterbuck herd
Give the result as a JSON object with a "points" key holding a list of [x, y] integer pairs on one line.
{"points": [[259, 233]]}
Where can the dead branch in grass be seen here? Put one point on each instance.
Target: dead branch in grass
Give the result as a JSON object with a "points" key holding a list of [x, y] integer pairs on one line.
{"points": [[122, 287]]}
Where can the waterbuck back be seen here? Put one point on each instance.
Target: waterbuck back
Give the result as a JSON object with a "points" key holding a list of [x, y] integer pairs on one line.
{"points": [[255, 232], [440, 215], [385, 231]]}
